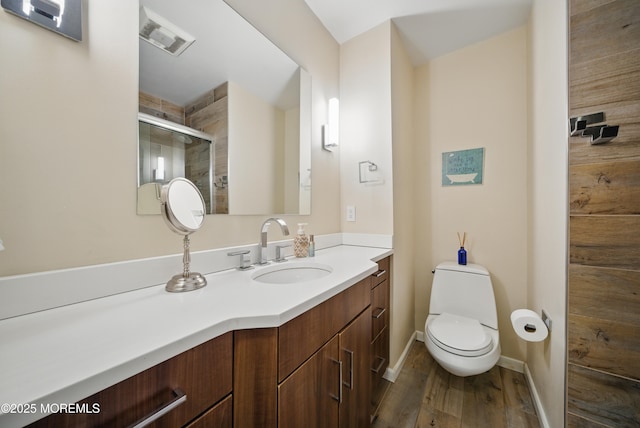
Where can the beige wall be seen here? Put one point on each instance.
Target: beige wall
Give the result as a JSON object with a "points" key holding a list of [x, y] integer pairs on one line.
{"points": [[548, 198], [376, 124], [365, 130], [404, 185], [308, 43], [68, 133], [256, 129], [476, 97], [422, 199]]}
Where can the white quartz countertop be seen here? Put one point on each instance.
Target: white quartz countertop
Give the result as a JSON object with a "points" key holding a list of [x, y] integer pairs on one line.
{"points": [[62, 355]]}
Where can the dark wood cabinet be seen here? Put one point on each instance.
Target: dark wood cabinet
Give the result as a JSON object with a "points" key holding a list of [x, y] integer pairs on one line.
{"points": [[312, 371], [380, 311], [299, 338], [193, 381], [219, 416], [310, 397], [255, 379], [355, 352], [331, 388]]}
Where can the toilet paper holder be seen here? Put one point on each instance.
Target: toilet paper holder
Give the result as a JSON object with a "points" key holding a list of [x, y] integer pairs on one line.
{"points": [[546, 320], [530, 326]]}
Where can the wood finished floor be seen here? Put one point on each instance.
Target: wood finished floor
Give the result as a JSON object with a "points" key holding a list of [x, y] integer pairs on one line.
{"points": [[426, 395]]}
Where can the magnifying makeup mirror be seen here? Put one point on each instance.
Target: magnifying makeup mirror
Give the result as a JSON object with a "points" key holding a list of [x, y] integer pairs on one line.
{"points": [[183, 209]]}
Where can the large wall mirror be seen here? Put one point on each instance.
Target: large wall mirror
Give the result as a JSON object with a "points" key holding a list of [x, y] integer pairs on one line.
{"points": [[224, 107]]}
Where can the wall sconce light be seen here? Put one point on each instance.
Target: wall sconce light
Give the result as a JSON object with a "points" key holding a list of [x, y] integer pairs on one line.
{"points": [[60, 16], [159, 172], [331, 131]]}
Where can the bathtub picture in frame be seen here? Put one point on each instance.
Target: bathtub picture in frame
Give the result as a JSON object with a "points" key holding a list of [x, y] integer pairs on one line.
{"points": [[463, 167]]}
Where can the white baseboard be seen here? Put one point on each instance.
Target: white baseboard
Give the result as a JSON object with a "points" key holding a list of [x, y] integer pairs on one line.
{"points": [[537, 402], [392, 373], [511, 364]]}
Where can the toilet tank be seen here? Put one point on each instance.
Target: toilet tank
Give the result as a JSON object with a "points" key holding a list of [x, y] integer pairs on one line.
{"points": [[464, 290]]}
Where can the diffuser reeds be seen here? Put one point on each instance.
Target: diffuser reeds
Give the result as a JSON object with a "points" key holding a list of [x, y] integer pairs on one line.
{"points": [[463, 239]]}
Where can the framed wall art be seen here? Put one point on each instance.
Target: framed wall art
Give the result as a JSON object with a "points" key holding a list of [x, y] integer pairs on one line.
{"points": [[463, 167]]}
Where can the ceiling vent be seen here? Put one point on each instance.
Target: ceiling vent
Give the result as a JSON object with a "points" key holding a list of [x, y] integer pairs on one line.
{"points": [[163, 34]]}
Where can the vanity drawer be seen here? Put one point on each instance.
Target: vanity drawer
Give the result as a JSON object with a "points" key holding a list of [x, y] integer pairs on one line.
{"points": [[382, 273], [219, 416], [203, 374], [379, 357], [379, 308], [299, 338]]}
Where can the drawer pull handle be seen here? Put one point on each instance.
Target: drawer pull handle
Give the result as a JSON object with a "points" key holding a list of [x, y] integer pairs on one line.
{"points": [[379, 273], [379, 314], [350, 384], [180, 397], [338, 397], [382, 361]]}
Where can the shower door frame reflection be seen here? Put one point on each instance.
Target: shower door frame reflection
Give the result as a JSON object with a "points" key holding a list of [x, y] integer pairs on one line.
{"points": [[173, 142]]}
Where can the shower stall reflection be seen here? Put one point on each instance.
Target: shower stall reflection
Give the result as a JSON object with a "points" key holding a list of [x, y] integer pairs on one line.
{"points": [[168, 151]]}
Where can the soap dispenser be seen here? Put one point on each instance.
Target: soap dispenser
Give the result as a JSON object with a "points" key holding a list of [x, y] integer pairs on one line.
{"points": [[301, 242], [312, 246]]}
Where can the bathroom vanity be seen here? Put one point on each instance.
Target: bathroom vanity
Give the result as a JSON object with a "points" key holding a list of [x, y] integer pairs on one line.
{"points": [[235, 353], [380, 310]]}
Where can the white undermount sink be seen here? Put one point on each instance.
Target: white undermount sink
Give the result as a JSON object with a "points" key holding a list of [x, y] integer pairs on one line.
{"points": [[291, 272]]}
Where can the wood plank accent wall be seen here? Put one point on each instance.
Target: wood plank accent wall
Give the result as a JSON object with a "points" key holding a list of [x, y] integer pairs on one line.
{"points": [[603, 327], [210, 113], [158, 107]]}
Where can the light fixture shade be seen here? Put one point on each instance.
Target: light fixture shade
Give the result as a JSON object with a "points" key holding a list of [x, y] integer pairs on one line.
{"points": [[331, 137]]}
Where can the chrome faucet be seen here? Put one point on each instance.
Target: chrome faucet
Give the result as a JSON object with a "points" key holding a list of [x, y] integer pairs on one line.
{"points": [[263, 237]]}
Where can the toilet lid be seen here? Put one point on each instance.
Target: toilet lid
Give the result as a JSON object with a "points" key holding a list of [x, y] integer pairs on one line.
{"points": [[459, 335]]}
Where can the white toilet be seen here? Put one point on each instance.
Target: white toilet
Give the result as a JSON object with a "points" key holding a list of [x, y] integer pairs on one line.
{"points": [[461, 332]]}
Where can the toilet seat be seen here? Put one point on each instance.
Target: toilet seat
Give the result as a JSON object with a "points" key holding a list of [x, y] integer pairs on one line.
{"points": [[459, 335]]}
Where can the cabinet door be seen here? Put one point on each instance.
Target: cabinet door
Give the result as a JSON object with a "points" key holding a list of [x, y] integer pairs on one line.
{"points": [[310, 396], [355, 351]]}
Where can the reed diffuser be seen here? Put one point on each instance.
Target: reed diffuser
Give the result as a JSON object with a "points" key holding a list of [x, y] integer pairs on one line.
{"points": [[462, 253]]}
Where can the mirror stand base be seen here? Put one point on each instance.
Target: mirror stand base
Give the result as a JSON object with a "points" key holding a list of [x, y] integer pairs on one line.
{"points": [[181, 282]]}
